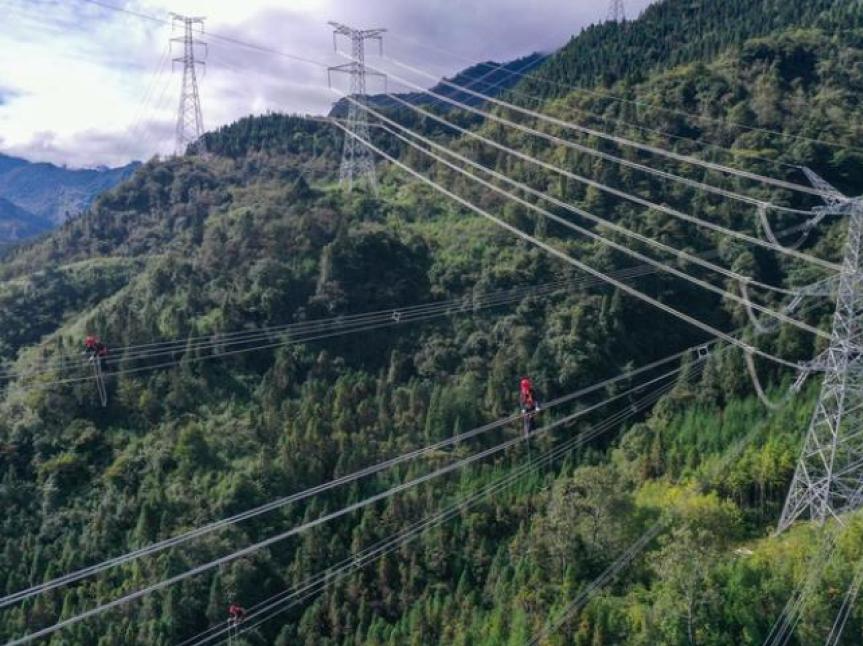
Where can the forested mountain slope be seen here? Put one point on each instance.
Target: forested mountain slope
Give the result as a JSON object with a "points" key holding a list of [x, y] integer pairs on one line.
{"points": [[670, 34], [257, 234]]}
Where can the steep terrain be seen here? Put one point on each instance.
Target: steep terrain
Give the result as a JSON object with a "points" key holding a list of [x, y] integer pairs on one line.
{"points": [[259, 235], [16, 224], [53, 193]]}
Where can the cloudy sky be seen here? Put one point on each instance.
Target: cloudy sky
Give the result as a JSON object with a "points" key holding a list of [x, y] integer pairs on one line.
{"points": [[84, 85]]}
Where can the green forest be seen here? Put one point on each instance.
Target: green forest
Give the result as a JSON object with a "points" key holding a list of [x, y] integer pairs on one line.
{"points": [[258, 234]]}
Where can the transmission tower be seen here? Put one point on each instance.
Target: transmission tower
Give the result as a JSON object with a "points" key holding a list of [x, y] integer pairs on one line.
{"points": [[829, 476], [616, 11], [357, 160], [190, 122]]}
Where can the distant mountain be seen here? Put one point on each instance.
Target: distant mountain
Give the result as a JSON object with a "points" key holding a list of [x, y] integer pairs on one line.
{"points": [[54, 193], [488, 78], [17, 224]]}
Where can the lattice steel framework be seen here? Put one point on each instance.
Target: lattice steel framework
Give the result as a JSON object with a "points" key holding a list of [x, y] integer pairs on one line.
{"points": [[616, 11], [357, 160], [829, 476], [190, 122]]}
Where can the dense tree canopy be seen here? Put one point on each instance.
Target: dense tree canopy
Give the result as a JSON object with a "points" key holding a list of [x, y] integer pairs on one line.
{"points": [[257, 234]]}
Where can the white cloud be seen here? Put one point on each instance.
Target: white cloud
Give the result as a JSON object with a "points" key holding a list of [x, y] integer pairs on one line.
{"points": [[79, 84]]}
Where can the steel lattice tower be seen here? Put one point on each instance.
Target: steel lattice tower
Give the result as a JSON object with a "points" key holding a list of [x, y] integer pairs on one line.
{"points": [[829, 476], [357, 160], [616, 11], [190, 122]]}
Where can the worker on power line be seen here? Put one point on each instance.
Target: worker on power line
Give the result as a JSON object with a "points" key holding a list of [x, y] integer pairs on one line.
{"points": [[94, 348], [529, 404], [96, 352], [236, 613]]}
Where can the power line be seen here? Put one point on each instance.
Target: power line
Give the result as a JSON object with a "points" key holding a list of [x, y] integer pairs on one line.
{"points": [[783, 628], [606, 577], [745, 280], [361, 504], [312, 585], [644, 104], [211, 35], [833, 639], [687, 159], [300, 331], [470, 302], [577, 263], [542, 101], [603, 187], [734, 153], [614, 569], [277, 52], [357, 475], [282, 601], [593, 152], [145, 105], [638, 200], [226, 344], [507, 73], [599, 238]]}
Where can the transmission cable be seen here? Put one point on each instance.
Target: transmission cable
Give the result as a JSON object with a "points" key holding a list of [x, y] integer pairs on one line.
{"points": [[348, 478], [617, 120], [644, 104], [699, 260], [644, 239], [611, 190], [263, 509], [211, 35], [687, 159], [314, 584], [593, 152], [623, 248], [348, 323], [361, 504], [460, 304], [613, 570], [783, 628], [712, 331], [590, 234], [848, 600], [607, 575]]}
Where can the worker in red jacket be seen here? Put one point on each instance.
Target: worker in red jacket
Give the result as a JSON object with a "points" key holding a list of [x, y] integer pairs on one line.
{"points": [[529, 404], [93, 347], [236, 613]]}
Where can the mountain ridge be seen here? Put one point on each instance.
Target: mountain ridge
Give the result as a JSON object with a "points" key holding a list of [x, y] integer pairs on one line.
{"points": [[488, 77], [17, 224], [52, 192]]}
